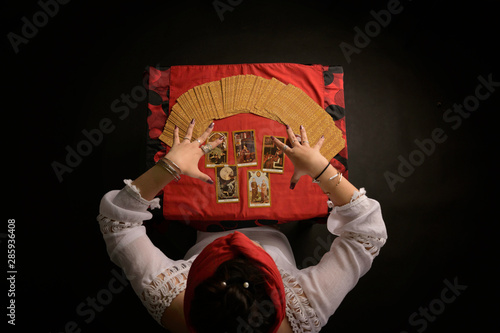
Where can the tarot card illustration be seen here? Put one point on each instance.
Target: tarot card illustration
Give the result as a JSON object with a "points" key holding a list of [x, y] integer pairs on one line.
{"points": [[226, 178], [218, 155], [259, 188], [245, 148], [272, 156]]}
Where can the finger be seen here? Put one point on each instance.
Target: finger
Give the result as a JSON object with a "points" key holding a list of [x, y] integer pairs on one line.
{"points": [[203, 177], [291, 136], [318, 144], [217, 142], [189, 132], [281, 145], [212, 144], [294, 180], [303, 135], [207, 132], [176, 135]]}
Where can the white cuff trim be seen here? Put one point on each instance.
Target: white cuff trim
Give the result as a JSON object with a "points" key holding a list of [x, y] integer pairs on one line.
{"points": [[136, 194], [354, 201]]}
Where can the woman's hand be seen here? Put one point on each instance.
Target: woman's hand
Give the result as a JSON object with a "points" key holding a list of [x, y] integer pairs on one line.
{"points": [[306, 160], [186, 154]]}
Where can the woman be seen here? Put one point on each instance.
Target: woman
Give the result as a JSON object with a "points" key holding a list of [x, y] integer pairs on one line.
{"points": [[246, 280]]}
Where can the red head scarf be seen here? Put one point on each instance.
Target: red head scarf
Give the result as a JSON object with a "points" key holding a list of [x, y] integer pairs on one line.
{"points": [[227, 248]]}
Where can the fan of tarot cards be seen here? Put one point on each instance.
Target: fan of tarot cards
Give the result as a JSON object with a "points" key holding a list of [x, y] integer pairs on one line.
{"points": [[269, 98]]}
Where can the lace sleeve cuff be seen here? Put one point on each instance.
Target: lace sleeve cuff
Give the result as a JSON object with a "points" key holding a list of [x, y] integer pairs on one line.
{"points": [[127, 205], [356, 195], [360, 220], [134, 192]]}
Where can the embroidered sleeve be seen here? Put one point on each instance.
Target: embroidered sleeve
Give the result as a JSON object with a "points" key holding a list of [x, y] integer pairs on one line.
{"points": [[360, 220], [108, 225], [160, 293], [299, 311], [371, 244], [362, 233], [155, 278]]}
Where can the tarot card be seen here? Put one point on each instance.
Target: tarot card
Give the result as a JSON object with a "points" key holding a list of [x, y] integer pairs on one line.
{"points": [[196, 111], [209, 105], [218, 155], [245, 148], [272, 156], [215, 90], [225, 94], [177, 116], [232, 95], [226, 182], [267, 93], [246, 90], [201, 101], [259, 188], [259, 86]]}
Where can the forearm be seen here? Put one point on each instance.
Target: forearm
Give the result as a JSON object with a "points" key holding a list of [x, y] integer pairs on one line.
{"points": [[153, 181], [340, 193]]}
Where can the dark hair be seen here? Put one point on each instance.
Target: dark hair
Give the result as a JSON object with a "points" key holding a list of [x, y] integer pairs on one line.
{"points": [[216, 308]]}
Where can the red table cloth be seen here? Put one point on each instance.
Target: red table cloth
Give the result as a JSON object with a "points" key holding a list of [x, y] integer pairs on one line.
{"points": [[193, 202]]}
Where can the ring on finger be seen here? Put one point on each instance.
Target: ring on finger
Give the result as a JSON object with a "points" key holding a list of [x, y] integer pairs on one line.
{"points": [[186, 138], [206, 148], [198, 141], [305, 141], [285, 147]]}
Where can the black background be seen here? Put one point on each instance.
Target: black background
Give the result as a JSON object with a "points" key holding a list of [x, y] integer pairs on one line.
{"points": [[441, 220]]}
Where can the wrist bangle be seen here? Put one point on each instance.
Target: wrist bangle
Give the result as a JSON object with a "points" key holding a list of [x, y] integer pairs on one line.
{"points": [[164, 163], [179, 171], [332, 177], [340, 178], [315, 180]]}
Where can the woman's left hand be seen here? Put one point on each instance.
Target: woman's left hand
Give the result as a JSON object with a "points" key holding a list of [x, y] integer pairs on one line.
{"points": [[186, 154]]}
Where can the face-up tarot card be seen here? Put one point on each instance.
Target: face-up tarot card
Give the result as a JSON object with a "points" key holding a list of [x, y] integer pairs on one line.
{"points": [[259, 188], [244, 148], [218, 155], [226, 182], [272, 156]]}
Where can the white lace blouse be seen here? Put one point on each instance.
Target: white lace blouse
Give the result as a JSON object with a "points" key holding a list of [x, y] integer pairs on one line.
{"points": [[313, 294]]}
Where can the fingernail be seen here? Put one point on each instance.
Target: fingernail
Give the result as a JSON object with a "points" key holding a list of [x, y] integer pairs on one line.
{"points": [[210, 181], [222, 138], [176, 127], [192, 121], [211, 125], [292, 186], [322, 136], [301, 127], [287, 127], [272, 137]]}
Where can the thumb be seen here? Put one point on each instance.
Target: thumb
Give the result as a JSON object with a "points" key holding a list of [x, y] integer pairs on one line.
{"points": [[203, 177], [294, 180]]}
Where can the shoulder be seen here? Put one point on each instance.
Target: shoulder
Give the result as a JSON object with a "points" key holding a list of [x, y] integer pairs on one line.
{"points": [[173, 316]]}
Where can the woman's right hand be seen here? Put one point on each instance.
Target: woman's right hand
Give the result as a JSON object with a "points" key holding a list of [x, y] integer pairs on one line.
{"points": [[306, 160], [186, 153]]}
